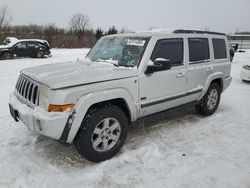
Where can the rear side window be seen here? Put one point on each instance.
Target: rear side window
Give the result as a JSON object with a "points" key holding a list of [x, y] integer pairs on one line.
{"points": [[171, 49], [31, 44], [198, 50], [220, 51]]}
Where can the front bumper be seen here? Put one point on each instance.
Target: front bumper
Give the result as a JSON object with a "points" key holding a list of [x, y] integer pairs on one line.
{"points": [[38, 120], [47, 52], [245, 74]]}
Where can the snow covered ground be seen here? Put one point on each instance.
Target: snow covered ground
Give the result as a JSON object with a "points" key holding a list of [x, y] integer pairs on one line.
{"points": [[171, 149]]}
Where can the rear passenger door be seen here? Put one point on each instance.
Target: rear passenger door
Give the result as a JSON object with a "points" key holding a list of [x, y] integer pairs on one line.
{"points": [[32, 46], [200, 66]]}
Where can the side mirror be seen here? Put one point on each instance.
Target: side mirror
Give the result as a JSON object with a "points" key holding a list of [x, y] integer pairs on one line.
{"points": [[160, 64], [153, 68]]}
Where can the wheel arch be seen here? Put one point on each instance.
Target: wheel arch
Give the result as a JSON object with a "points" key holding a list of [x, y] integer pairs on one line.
{"points": [[219, 81], [5, 51], [119, 102], [213, 78], [125, 101]]}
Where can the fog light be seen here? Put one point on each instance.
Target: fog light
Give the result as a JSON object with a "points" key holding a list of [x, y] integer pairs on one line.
{"points": [[39, 125]]}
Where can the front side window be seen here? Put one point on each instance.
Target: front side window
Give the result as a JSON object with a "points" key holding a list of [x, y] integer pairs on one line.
{"points": [[21, 45], [170, 49], [198, 50], [220, 51], [121, 51]]}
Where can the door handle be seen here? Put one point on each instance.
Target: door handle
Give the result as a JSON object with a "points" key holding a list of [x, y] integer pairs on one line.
{"points": [[209, 69], [181, 74]]}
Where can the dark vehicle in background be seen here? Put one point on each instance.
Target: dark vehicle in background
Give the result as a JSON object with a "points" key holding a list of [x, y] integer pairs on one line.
{"points": [[34, 48]]}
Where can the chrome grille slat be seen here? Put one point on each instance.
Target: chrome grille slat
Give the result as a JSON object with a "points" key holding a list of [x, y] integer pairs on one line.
{"points": [[30, 91], [18, 82], [20, 88], [34, 96], [27, 90]]}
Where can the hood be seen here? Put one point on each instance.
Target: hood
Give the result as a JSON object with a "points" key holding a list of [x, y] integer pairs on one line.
{"points": [[62, 75], [12, 42], [7, 45], [3, 47]]}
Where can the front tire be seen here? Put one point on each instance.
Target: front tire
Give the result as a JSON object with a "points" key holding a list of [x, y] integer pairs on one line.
{"points": [[102, 134], [210, 101], [7, 55]]}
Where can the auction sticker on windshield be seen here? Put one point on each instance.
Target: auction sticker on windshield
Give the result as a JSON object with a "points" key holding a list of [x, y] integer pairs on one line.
{"points": [[133, 42]]}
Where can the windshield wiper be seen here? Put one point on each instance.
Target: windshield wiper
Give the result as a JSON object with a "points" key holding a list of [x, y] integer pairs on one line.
{"points": [[108, 61]]}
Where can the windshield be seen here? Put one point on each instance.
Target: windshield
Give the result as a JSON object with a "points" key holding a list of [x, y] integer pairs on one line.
{"points": [[120, 51]]}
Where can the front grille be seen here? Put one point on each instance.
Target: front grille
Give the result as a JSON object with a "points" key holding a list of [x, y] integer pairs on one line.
{"points": [[27, 90]]}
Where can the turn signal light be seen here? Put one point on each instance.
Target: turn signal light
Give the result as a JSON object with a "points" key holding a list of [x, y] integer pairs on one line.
{"points": [[60, 108]]}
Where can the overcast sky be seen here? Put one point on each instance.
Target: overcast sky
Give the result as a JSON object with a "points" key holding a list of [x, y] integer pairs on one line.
{"points": [[219, 15]]}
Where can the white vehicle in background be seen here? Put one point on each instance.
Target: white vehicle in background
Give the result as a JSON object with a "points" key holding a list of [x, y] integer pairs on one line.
{"points": [[125, 77], [9, 40], [245, 73]]}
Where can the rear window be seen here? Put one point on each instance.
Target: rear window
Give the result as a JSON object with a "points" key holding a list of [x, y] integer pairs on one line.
{"points": [[198, 50], [220, 51]]}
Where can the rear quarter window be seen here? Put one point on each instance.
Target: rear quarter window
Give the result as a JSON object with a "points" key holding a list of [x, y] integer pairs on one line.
{"points": [[220, 51]]}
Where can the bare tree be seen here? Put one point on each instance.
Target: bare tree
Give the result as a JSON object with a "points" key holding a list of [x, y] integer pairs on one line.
{"points": [[79, 23], [5, 18]]}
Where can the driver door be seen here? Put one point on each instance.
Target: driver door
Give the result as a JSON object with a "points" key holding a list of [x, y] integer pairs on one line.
{"points": [[20, 49], [165, 88]]}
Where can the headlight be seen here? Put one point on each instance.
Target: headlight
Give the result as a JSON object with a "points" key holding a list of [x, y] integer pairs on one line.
{"points": [[44, 97]]}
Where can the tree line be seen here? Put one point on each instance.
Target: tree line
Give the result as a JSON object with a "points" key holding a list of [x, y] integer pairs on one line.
{"points": [[57, 37], [79, 34]]}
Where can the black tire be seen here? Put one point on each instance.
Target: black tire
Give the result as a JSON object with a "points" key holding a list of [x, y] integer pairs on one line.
{"points": [[246, 81], [7, 55], [204, 108], [39, 54], [94, 118]]}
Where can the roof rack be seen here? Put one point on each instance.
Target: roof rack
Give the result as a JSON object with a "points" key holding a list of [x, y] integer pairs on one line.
{"points": [[198, 32]]}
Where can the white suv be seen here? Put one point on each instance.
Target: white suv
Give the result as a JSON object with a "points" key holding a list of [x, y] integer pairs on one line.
{"points": [[124, 77]]}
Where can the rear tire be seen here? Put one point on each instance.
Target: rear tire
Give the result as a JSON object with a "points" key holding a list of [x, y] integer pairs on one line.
{"points": [[102, 134], [39, 54], [210, 101]]}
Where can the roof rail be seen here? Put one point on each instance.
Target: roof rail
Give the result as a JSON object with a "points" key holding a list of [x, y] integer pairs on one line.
{"points": [[198, 32]]}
